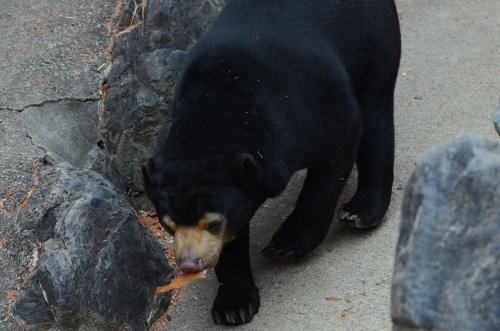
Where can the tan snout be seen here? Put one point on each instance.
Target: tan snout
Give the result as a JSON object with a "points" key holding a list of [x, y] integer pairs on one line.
{"points": [[198, 247]]}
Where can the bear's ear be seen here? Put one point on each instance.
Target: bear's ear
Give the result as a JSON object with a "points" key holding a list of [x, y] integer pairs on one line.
{"points": [[245, 165]]}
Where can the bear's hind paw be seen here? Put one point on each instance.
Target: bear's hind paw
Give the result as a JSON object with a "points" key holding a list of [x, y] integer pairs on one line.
{"points": [[352, 219], [287, 244]]}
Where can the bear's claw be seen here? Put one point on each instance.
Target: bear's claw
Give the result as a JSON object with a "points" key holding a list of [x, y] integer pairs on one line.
{"points": [[235, 306], [354, 220], [235, 316]]}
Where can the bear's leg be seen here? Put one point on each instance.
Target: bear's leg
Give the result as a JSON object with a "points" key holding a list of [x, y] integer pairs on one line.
{"points": [[308, 224], [375, 163], [238, 298]]}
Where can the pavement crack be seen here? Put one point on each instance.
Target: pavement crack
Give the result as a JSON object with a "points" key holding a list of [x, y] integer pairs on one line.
{"points": [[46, 102]]}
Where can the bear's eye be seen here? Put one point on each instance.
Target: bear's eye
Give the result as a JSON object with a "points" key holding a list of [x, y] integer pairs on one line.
{"points": [[214, 227]]}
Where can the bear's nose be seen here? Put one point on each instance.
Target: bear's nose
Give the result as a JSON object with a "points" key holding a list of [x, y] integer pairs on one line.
{"points": [[191, 265]]}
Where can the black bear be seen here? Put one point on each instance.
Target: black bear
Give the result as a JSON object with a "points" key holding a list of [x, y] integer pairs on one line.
{"points": [[274, 87]]}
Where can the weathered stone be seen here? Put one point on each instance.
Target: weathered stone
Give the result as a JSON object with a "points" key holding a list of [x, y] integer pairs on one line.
{"points": [[131, 12], [98, 161], [92, 264], [178, 24], [161, 69], [447, 272], [146, 64], [145, 98]]}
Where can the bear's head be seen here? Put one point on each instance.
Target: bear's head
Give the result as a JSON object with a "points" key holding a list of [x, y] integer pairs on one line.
{"points": [[204, 203]]}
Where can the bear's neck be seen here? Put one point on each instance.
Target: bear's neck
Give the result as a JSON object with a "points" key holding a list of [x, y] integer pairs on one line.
{"points": [[211, 118]]}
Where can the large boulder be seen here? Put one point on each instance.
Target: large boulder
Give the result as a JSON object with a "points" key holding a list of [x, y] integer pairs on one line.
{"points": [[83, 258], [447, 272], [146, 62]]}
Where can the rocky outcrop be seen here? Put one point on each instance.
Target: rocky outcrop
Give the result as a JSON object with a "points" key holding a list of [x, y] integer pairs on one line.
{"points": [[447, 272], [73, 255], [146, 62], [91, 263]]}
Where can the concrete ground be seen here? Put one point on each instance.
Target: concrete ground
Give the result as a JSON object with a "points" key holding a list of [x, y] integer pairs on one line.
{"points": [[449, 84]]}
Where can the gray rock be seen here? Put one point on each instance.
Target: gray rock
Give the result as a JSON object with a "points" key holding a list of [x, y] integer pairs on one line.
{"points": [[496, 119], [67, 130], [160, 69], [178, 24], [132, 11], [146, 62], [145, 98], [91, 263], [98, 161], [447, 272]]}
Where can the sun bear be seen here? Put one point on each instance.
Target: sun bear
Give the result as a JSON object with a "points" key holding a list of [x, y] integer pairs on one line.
{"points": [[274, 87]]}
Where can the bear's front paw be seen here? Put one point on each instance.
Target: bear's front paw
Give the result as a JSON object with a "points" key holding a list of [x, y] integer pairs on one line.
{"points": [[235, 305]]}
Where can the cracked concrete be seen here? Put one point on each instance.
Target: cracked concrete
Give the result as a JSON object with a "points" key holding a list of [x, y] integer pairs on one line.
{"points": [[46, 102], [63, 49], [54, 76], [66, 129]]}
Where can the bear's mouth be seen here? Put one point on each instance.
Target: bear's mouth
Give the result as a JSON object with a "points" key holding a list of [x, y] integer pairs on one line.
{"points": [[198, 246]]}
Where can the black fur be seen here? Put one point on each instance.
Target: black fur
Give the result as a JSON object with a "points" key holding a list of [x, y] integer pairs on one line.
{"points": [[274, 87]]}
